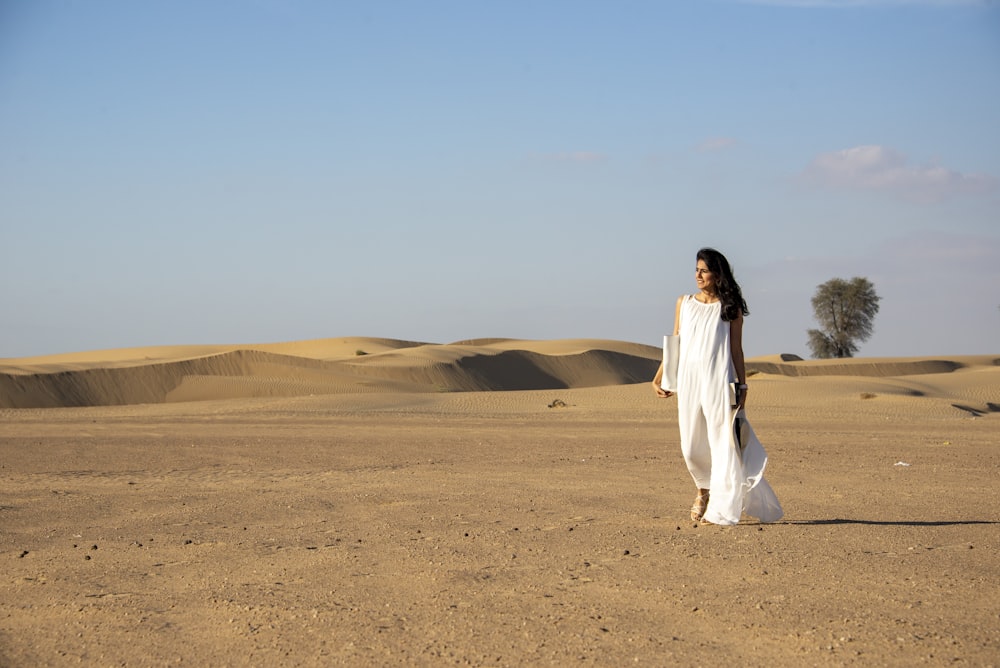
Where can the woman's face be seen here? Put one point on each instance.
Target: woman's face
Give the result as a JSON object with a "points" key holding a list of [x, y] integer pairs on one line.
{"points": [[703, 277]]}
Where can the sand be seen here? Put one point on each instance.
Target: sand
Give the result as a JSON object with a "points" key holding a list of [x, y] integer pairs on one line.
{"points": [[488, 502]]}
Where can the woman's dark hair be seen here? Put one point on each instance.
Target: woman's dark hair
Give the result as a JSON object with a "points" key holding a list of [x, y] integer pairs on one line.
{"points": [[729, 291]]}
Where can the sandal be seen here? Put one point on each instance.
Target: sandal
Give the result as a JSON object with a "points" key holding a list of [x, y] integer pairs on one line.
{"points": [[700, 504]]}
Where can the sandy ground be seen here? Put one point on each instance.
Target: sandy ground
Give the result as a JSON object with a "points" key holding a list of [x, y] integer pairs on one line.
{"points": [[488, 528]]}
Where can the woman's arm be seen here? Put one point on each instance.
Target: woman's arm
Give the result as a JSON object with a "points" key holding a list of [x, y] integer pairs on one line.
{"points": [[736, 350], [657, 379]]}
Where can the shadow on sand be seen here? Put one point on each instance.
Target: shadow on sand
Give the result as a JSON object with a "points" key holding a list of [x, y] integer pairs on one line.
{"points": [[892, 523]]}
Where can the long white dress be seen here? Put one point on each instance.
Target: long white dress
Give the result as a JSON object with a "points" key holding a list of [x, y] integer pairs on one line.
{"points": [[735, 480]]}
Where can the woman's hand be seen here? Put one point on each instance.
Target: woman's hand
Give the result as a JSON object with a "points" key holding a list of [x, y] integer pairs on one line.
{"points": [[660, 392]]}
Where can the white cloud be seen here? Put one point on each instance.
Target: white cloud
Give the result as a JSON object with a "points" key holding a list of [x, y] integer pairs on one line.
{"points": [[713, 144], [879, 168]]}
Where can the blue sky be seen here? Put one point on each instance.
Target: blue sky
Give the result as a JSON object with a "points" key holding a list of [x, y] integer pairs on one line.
{"points": [[262, 171]]}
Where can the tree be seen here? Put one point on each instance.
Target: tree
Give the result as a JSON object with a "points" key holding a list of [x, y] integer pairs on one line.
{"points": [[845, 311]]}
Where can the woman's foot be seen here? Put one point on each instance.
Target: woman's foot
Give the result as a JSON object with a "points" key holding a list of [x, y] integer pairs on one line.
{"points": [[700, 504]]}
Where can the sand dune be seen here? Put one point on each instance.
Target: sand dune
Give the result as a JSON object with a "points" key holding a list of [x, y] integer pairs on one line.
{"points": [[790, 365], [332, 366], [353, 365]]}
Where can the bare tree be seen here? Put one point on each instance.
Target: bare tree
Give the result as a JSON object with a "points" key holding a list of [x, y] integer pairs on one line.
{"points": [[845, 311]]}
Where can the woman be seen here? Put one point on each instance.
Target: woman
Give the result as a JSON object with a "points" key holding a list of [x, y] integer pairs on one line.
{"points": [[728, 475]]}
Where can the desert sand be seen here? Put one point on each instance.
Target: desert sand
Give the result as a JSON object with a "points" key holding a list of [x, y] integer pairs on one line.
{"points": [[365, 501]]}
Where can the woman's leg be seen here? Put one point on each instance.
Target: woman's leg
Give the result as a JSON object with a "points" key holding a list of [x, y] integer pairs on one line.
{"points": [[695, 443]]}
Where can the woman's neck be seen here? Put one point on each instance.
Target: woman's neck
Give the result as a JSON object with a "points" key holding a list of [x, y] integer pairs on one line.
{"points": [[707, 297]]}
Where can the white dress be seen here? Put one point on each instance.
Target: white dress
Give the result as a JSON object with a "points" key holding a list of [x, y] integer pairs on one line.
{"points": [[735, 480]]}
